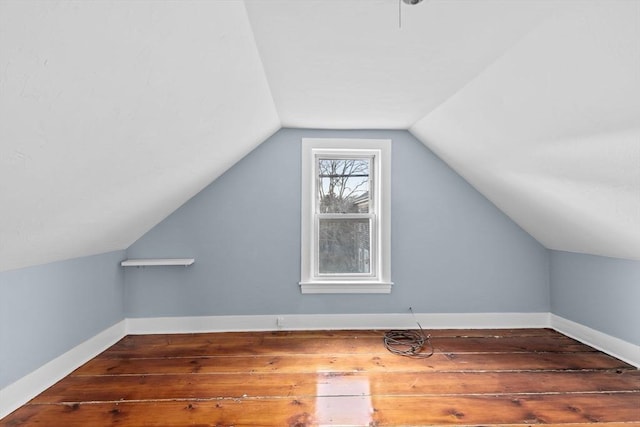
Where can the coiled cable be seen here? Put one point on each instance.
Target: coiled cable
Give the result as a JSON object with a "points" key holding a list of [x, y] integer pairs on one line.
{"points": [[409, 342]]}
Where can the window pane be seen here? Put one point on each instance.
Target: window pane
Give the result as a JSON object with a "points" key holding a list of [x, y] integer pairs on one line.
{"points": [[344, 246], [343, 185]]}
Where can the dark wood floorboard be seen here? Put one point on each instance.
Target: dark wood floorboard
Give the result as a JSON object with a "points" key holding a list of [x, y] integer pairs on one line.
{"points": [[311, 378]]}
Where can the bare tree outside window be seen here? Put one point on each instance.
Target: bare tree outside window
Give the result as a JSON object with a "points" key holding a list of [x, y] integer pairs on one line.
{"points": [[343, 186], [344, 242]]}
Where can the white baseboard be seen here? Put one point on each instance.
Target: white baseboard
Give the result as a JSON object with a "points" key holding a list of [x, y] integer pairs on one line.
{"points": [[292, 322], [613, 346], [26, 388]]}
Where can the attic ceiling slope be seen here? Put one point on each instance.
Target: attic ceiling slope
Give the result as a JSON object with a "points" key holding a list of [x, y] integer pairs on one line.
{"points": [[113, 114], [348, 64], [551, 131]]}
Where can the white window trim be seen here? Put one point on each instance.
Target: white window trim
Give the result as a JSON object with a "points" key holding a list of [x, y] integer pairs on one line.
{"points": [[380, 280]]}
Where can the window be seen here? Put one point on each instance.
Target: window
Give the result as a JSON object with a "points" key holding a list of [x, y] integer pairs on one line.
{"points": [[345, 216]]}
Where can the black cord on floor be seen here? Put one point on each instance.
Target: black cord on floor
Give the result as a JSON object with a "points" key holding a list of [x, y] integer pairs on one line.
{"points": [[409, 342]]}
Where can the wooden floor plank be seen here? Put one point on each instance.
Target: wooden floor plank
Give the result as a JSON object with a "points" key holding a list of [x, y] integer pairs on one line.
{"points": [[210, 386], [360, 362], [378, 411], [340, 334], [184, 346], [558, 408]]}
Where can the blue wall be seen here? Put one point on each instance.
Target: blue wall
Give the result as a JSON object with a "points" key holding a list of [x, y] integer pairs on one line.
{"points": [[452, 250], [49, 309], [599, 292]]}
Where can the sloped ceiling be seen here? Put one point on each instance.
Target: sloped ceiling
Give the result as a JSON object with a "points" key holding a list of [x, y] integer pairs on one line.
{"points": [[113, 114], [550, 131]]}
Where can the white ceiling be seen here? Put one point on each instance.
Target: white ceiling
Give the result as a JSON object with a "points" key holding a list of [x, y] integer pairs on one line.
{"points": [[347, 64], [113, 114]]}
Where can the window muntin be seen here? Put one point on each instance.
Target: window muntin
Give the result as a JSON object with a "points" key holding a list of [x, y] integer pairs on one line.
{"points": [[345, 216]]}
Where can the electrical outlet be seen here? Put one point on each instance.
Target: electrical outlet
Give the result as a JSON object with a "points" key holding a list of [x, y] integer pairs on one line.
{"points": [[279, 321]]}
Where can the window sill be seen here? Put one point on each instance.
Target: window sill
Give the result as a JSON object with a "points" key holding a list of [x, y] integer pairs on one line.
{"points": [[345, 287]]}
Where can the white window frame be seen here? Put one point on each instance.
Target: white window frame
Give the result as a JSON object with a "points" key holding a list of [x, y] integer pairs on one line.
{"points": [[379, 281]]}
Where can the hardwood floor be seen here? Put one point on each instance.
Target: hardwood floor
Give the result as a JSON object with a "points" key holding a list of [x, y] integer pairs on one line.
{"points": [[339, 378]]}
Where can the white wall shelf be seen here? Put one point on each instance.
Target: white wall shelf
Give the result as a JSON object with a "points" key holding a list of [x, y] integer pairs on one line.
{"points": [[157, 261]]}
